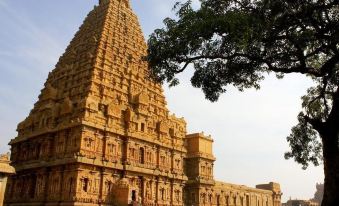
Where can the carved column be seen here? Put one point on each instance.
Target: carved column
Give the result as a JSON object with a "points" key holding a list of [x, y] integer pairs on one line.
{"points": [[125, 154], [158, 157], [172, 160], [157, 190], [172, 192], [142, 192], [104, 146]]}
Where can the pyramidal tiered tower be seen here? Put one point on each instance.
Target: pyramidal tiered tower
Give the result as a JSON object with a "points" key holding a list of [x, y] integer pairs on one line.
{"points": [[98, 121], [100, 133]]}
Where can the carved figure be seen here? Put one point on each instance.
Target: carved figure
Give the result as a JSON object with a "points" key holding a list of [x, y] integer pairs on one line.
{"points": [[101, 133]]}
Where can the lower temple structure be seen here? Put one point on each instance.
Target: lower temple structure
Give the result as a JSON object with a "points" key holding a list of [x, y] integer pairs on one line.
{"points": [[100, 133], [5, 171], [301, 203]]}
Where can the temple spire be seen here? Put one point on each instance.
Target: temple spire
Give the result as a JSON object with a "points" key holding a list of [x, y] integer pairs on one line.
{"points": [[101, 71], [127, 2]]}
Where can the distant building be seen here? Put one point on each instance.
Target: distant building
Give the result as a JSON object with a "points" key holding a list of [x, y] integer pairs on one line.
{"points": [[5, 171], [318, 196], [301, 203], [101, 134]]}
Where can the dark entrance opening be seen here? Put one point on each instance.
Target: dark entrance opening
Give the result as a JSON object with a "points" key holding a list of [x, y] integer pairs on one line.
{"points": [[134, 197]]}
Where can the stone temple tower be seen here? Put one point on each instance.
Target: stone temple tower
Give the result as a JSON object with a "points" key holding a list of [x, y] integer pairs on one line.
{"points": [[100, 132]]}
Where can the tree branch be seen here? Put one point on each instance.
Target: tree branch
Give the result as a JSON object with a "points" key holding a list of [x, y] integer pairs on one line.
{"points": [[298, 69], [334, 114], [328, 67], [316, 123]]}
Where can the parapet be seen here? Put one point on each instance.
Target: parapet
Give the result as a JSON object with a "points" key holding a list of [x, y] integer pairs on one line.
{"points": [[199, 145], [243, 188], [200, 135], [275, 187]]}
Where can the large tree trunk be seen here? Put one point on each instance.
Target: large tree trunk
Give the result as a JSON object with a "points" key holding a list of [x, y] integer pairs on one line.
{"points": [[331, 164]]}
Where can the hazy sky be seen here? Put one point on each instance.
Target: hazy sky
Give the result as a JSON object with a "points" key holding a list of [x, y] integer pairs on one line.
{"points": [[249, 128]]}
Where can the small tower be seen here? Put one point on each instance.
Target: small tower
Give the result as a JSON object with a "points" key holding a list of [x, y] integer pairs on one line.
{"points": [[275, 188], [199, 168], [200, 159]]}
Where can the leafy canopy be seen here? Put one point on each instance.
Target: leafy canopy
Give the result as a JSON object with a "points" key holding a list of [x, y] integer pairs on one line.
{"points": [[237, 42]]}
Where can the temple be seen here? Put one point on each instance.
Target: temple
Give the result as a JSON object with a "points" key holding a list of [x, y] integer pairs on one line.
{"points": [[100, 133]]}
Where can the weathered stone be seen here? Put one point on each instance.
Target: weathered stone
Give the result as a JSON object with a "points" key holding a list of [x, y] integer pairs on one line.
{"points": [[101, 134]]}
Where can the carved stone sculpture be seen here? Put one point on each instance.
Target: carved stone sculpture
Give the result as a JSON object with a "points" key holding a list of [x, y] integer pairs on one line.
{"points": [[101, 134]]}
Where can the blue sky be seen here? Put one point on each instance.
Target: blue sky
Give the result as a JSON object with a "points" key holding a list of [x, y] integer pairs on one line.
{"points": [[249, 128]]}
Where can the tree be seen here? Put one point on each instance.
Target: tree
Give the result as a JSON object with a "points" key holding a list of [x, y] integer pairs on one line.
{"points": [[237, 42]]}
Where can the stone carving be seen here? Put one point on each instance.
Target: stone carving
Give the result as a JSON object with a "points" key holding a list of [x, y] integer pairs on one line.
{"points": [[66, 106], [49, 93], [101, 134], [114, 110]]}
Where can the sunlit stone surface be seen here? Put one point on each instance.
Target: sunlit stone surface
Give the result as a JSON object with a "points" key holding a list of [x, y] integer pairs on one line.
{"points": [[101, 134]]}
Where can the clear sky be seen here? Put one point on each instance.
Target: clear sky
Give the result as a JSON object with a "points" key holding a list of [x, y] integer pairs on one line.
{"points": [[249, 128]]}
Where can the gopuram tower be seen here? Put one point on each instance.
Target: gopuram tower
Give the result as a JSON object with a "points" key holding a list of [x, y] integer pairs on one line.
{"points": [[100, 132]]}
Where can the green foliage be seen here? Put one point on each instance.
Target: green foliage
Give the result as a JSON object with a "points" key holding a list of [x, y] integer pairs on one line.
{"points": [[305, 145], [237, 42], [315, 105]]}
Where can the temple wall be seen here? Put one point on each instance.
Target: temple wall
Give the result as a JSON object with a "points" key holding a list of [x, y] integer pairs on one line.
{"points": [[225, 194], [101, 133]]}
